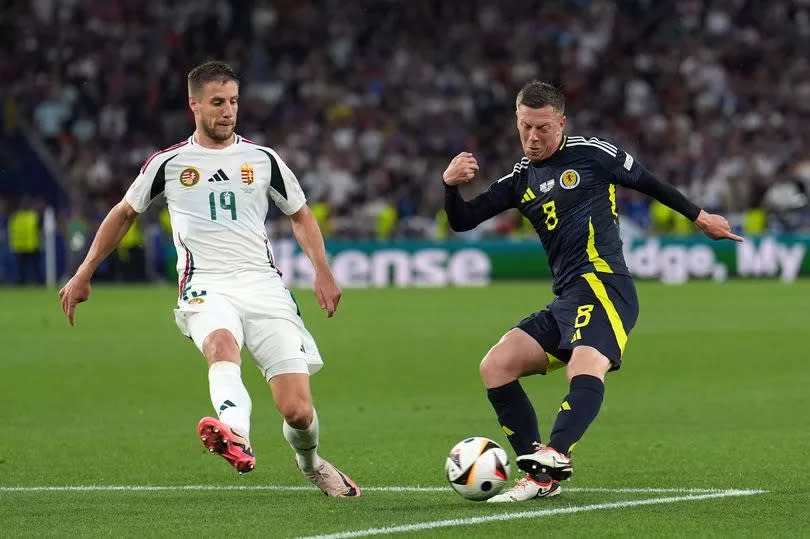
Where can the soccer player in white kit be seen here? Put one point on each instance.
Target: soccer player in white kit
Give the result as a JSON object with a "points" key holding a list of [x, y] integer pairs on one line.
{"points": [[217, 185]]}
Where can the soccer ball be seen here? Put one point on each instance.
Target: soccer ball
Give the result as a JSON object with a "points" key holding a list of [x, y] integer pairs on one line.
{"points": [[477, 468]]}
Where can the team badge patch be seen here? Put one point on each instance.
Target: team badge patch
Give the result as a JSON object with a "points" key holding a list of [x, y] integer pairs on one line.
{"points": [[247, 174], [569, 179], [189, 177]]}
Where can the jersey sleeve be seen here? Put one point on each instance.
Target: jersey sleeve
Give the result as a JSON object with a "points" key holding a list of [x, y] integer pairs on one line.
{"points": [[284, 189], [626, 171], [150, 182], [622, 166], [465, 215]]}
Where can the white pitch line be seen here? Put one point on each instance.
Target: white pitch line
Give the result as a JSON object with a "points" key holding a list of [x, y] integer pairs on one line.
{"points": [[293, 488], [531, 514]]}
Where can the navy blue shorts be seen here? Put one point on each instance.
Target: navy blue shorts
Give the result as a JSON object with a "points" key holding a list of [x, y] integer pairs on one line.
{"points": [[598, 310]]}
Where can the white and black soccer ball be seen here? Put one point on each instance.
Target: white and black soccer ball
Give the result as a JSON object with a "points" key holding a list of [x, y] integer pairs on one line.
{"points": [[477, 468]]}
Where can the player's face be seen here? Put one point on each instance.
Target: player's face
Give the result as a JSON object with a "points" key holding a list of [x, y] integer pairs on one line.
{"points": [[540, 130], [215, 109]]}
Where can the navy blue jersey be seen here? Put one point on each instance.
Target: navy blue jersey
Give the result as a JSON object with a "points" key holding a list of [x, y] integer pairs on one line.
{"points": [[570, 199]]}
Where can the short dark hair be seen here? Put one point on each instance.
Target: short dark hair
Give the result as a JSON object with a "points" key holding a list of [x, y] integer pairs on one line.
{"points": [[536, 95], [208, 72]]}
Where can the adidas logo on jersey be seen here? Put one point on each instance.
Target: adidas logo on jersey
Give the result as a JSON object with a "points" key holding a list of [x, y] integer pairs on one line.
{"points": [[219, 176], [529, 195]]}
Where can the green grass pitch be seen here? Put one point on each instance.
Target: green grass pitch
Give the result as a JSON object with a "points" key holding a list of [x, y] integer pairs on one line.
{"points": [[714, 394]]}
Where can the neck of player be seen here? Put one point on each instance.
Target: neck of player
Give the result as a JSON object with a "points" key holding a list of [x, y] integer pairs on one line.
{"points": [[212, 144]]}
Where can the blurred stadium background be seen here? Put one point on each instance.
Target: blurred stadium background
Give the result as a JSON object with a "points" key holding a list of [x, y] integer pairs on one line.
{"points": [[367, 102]]}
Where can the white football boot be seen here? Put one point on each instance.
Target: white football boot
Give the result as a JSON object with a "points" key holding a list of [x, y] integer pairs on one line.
{"points": [[332, 481], [528, 488], [548, 460]]}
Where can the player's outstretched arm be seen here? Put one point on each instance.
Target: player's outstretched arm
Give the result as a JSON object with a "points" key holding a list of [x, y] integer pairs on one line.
{"points": [[714, 226], [109, 235], [309, 237]]}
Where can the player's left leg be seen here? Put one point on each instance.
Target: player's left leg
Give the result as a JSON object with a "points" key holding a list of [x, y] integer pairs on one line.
{"points": [[293, 399], [598, 331], [286, 354], [586, 375]]}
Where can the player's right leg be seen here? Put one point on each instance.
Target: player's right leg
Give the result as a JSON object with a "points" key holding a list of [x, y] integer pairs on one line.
{"points": [[517, 354], [215, 327]]}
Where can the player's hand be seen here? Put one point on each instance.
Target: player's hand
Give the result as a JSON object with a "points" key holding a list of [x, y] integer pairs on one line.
{"points": [[327, 291], [74, 292], [461, 169], [715, 226]]}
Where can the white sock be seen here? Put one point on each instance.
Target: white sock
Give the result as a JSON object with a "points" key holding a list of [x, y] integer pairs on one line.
{"points": [[305, 443], [229, 396]]}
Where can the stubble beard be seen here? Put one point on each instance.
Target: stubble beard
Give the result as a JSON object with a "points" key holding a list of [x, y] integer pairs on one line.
{"points": [[213, 135]]}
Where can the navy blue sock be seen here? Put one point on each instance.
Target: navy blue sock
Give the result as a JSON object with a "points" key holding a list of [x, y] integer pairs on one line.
{"points": [[577, 411], [516, 416]]}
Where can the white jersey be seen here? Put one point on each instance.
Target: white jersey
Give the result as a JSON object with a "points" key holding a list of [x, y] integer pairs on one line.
{"points": [[218, 202]]}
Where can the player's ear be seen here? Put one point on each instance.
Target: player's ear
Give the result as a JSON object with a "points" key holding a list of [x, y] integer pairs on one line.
{"points": [[192, 103]]}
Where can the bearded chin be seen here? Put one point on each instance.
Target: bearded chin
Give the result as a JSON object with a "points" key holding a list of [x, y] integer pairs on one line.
{"points": [[212, 133]]}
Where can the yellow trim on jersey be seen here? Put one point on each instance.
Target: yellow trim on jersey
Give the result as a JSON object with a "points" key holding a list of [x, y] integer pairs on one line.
{"points": [[612, 195], [613, 315], [528, 195], [593, 255]]}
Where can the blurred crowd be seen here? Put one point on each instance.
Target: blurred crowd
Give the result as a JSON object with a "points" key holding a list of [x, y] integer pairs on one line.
{"points": [[368, 101]]}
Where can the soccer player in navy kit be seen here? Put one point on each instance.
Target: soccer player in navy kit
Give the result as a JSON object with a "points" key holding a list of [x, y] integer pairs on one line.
{"points": [[566, 187]]}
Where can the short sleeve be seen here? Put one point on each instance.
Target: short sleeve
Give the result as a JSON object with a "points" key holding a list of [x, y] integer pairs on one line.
{"points": [[284, 189], [150, 183]]}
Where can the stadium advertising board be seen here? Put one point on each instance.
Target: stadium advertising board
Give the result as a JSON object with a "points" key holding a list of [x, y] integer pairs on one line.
{"points": [[476, 263]]}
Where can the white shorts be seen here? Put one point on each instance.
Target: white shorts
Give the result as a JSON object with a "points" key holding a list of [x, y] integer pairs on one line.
{"points": [[259, 311]]}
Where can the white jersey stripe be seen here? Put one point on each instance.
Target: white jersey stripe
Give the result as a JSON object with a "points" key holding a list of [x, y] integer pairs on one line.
{"points": [[607, 151], [502, 178], [523, 164], [605, 144], [594, 140]]}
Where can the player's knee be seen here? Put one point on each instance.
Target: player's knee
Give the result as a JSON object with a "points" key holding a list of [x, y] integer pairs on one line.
{"points": [[297, 415], [220, 345], [588, 360], [495, 368]]}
